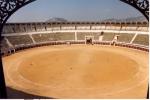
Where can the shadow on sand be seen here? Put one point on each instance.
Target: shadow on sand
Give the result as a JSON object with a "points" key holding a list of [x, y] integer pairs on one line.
{"points": [[15, 94]]}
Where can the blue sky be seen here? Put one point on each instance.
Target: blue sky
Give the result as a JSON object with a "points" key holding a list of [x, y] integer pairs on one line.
{"points": [[74, 10]]}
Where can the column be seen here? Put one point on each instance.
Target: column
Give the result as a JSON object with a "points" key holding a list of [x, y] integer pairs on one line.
{"points": [[75, 36]]}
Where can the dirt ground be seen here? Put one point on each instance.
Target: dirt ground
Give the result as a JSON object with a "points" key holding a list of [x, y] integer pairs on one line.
{"points": [[79, 71]]}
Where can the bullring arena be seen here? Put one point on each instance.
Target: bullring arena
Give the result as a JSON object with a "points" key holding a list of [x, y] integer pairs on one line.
{"points": [[56, 60]]}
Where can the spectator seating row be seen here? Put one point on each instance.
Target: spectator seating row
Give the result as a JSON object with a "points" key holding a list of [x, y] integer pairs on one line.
{"points": [[141, 39], [26, 40], [53, 37], [19, 48]]}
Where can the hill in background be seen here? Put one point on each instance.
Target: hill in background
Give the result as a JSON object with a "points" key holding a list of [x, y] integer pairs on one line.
{"points": [[130, 19], [56, 19]]}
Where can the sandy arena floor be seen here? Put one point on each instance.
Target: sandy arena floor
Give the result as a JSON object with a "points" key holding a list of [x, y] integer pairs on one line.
{"points": [[79, 71]]}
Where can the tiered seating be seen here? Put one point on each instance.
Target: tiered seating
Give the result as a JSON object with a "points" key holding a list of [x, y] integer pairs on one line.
{"points": [[43, 37], [53, 37], [65, 36], [18, 29], [28, 28], [131, 28], [116, 27], [96, 36], [33, 28], [81, 35], [4, 45], [20, 39], [108, 36], [68, 27], [83, 27], [125, 37], [123, 28], [55, 27], [49, 28], [111, 27], [142, 29], [44, 27], [103, 27], [96, 27], [38, 27], [8, 29], [142, 39], [23, 28]]}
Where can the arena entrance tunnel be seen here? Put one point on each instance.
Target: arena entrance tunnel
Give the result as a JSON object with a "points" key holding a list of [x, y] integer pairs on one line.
{"points": [[8, 7]]}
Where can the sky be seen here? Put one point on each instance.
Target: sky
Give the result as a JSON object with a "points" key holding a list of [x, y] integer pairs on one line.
{"points": [[74, 10]]}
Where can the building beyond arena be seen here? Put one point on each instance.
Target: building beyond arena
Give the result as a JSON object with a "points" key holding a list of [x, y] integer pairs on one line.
{"points": [[18, 36]]}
